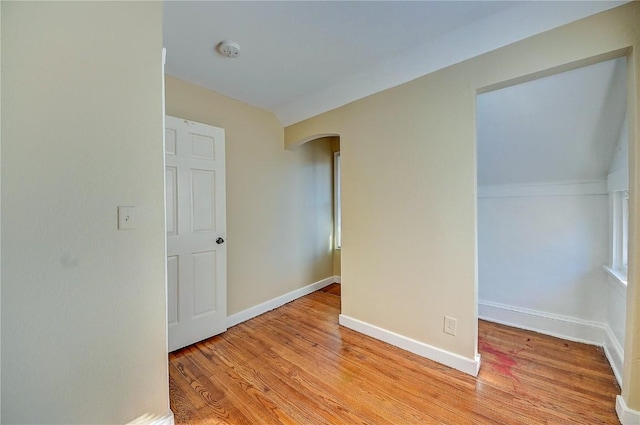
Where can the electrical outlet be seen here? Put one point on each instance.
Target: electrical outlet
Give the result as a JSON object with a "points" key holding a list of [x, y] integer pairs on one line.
{"points": [[450, 325]]}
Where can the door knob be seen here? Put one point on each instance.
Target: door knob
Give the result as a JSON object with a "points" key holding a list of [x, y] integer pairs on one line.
{"points": [[219, 241]]}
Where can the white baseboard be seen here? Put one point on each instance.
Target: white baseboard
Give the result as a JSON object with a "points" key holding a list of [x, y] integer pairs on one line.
{"points": [[625, 415], [463, 364], [614, 353], [166, 419], [266, 306], [565, 327], [337, 279]]}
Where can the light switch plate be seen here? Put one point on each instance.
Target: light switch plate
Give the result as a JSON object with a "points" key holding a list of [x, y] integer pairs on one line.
{"points": [[126, 218]]}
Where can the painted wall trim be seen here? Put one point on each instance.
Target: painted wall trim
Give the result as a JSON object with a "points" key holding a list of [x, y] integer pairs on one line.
{"points": [[456, 361], [557, 325], [617, 280], [337, 279], [274, 303], [551, 189], [148, 419], [627, 416], [614, 352]]}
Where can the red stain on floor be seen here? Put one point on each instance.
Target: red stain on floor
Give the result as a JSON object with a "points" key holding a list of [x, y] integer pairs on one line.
{"points": [[504, 362]]}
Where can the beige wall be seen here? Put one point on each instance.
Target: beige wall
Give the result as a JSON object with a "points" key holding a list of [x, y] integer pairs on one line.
{"points": [[83, 304], [337, 263], [409, 201], [279, 203]]}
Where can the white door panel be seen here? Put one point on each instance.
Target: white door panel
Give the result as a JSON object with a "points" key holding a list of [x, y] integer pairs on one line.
{"points": [[172, 290], [171, 180], [196, 219]]}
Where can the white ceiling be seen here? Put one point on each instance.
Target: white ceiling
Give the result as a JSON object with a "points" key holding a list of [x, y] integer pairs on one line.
{"points": [[559, 129], [302, 58]]}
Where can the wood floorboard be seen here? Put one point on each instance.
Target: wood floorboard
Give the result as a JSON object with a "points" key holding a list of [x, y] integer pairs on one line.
{"points": [[326, 402], [297, 365], [377, 377], [315, 361]]}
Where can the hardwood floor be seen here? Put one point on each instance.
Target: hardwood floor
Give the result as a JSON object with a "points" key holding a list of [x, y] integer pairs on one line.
{"points": [[296, 365]]}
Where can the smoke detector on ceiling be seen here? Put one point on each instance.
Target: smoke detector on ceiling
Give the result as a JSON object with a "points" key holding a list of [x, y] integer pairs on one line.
{"points": [[229, 49]]}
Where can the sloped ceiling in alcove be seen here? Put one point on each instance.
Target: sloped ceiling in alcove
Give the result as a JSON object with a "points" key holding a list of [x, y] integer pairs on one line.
{"points": [[559, 129]]}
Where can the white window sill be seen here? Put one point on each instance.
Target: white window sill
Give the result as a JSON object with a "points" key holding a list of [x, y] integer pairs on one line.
{"points": [[619, 276]]}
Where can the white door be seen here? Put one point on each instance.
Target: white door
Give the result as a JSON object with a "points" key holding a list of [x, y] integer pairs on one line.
{"points": [[196, 231]]}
